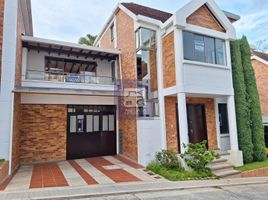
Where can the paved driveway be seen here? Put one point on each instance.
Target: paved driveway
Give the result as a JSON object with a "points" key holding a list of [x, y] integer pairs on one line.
{"points": [[82, 172]]}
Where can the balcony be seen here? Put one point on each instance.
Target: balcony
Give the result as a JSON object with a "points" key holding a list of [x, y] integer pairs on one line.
{"points": [[58, 65]]}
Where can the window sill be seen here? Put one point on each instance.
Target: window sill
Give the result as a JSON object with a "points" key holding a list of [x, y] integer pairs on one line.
{"points": [[205, 64]]}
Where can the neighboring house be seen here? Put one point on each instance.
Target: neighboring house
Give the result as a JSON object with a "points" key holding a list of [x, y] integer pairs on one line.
{"points": [[154, 81], [260, 65]]}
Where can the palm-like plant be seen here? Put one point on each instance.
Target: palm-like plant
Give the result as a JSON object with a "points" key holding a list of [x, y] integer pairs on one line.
{"points": [[88, 40]]}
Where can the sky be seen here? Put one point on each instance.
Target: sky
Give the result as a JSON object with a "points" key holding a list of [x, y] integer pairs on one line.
{"points": [[68, 20]]}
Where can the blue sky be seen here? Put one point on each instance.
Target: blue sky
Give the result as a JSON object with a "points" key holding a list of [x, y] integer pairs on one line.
{"points": [[67, 20]]}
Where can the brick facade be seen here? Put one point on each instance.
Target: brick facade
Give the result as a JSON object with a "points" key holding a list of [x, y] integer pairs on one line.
{"points": [[126, 43], [168, 54], [203, 17], [261, 73], [105, 41], [171, 123], [43, 133]]}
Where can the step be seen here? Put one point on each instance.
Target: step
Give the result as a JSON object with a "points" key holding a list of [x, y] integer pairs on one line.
{"points": [[220, 166], [227, 173], [220, 160]]}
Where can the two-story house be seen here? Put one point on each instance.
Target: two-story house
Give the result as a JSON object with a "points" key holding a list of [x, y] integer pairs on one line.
{"points": [[185, 57], [153, 81]]}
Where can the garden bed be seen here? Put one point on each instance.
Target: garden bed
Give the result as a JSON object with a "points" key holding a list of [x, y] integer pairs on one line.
{"points": [[179, 174]]}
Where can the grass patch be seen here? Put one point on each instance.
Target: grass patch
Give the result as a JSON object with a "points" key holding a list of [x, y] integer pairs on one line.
{"points": [[254, 165], [179, 174]]}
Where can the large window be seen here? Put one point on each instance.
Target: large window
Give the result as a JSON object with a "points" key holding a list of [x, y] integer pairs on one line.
{"points": [[146, 72], [203, 48]]}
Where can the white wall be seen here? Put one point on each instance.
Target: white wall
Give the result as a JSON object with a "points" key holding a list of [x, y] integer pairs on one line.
{"points": [[205, 79], [66, 99], [8, 78], [36, 61], [149, 139]]}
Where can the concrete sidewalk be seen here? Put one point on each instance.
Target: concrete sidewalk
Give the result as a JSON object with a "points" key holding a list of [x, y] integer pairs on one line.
{"points": [[125, 188]]}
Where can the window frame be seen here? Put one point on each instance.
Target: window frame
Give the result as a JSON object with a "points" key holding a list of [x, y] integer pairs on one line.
{"points": [[112, 32], [191, 44]]}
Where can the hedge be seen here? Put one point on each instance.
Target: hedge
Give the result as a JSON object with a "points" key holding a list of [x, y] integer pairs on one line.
{"points": [[253, 101], [242, 110]]}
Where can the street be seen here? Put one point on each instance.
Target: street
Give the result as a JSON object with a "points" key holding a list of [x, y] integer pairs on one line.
{"points": [[245, 192]]}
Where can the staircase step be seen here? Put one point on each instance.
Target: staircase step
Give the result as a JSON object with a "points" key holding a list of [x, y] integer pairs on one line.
{"points": [[220, 166], [220, 160], [227, 173]]}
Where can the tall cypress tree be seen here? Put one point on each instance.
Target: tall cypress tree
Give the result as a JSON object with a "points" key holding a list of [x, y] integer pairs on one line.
{"points": [[253, 101], [242, 111]]}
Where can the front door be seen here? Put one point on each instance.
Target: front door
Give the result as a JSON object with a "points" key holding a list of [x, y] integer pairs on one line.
{"points": [[91, 131], [197, 125]]}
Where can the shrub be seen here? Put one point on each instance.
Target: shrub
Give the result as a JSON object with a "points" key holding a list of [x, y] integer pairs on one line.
{"points": [[197, 156], [253, 101], [168, 159], [242, 110]]}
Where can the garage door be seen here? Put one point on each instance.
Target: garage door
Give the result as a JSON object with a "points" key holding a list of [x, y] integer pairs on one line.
{"points": [[91, 131]]}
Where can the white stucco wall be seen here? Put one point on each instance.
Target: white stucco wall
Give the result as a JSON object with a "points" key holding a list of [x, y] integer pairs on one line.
{"points": [[149, 139], [205, 79], [66, 99]]}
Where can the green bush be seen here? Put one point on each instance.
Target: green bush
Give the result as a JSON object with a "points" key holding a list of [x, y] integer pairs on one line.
{"points": [[168, 159], [242, 110], [253, 101], [197, 156]]}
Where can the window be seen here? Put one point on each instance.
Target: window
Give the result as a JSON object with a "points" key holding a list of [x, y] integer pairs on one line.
{"points": [[223, 118], [112, 32], [202, 48], [145, 39]]}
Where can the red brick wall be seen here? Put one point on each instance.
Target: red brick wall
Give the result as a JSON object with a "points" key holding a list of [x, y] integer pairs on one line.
{"points": [[43, 133], [204, 18], [168, 54], [3, 171], [126, 43], [105, 41], [261, 73], [255, 173], [171, 123]]}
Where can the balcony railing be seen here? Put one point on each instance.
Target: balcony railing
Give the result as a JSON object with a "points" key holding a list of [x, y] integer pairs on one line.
{"points": [[68, 77]]}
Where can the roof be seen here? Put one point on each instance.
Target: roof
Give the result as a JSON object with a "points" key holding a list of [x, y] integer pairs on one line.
{"points": [[147, 11], [161, 15], [261, 55], [41, 44]]}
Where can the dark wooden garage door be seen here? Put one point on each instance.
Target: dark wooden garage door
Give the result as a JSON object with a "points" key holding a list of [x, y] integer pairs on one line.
{"points": [[91, 131]]}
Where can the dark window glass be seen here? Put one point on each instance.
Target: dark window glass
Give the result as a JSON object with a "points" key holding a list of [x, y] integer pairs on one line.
{"points": [[199, 48], [266, 136], [223, 119], [220, 52], [112, 32], [188, 44], [210, 50], [203, 49]]}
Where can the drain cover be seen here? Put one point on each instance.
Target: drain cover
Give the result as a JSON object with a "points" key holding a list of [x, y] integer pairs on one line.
{"points": [[112, 167]]}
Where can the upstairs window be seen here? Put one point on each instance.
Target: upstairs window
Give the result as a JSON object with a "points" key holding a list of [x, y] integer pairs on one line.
{"points": [[112, 32], [145, 39], [203, 48]]}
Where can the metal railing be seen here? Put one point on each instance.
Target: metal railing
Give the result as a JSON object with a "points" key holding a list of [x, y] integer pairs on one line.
{"points": [[58, 76]]}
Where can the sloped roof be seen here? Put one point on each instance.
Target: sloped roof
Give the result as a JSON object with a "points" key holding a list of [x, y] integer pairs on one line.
{"points": [[162, 15], [147, 11], [261, 55]]}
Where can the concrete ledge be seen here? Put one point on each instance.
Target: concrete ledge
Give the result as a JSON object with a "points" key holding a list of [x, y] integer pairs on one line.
{"points": [[3, 171], [119, 189]]}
